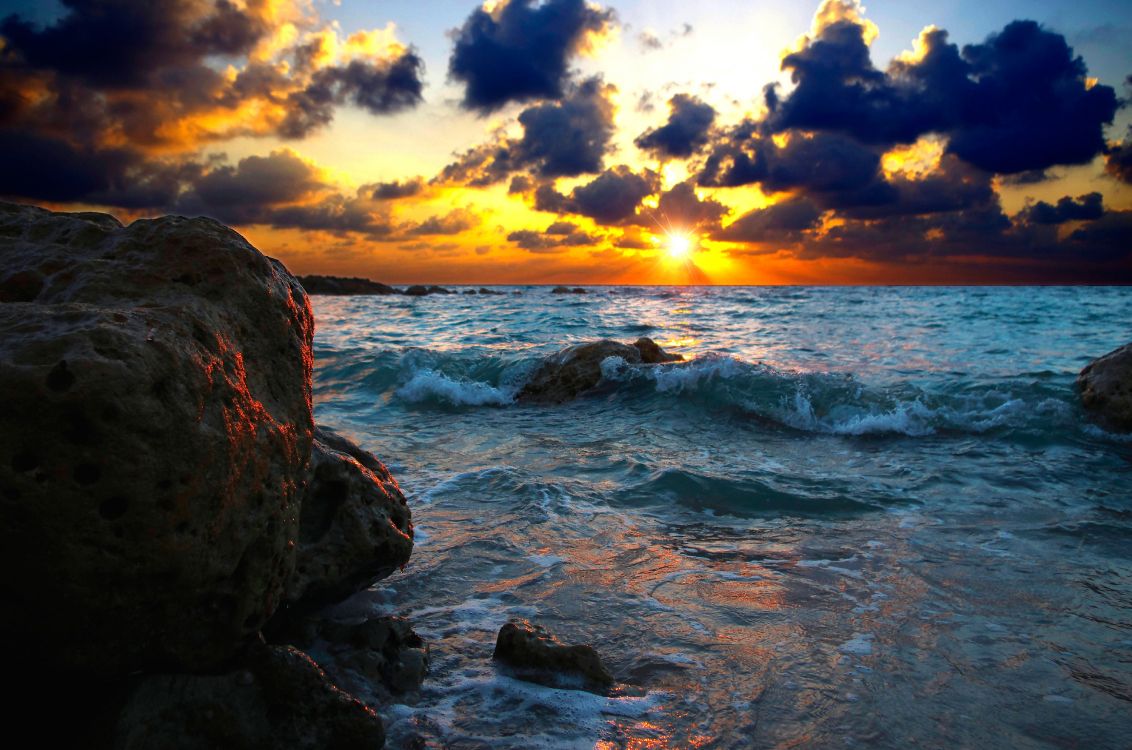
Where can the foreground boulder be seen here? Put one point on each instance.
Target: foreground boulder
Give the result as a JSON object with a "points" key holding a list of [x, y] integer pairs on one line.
{"points": [[277, 697], [577, 369], [535, 655], [1106, 388], [354, 526], [154, 439], [343, 285]]}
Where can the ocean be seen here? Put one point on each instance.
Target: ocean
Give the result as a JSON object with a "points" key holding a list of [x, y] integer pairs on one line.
{"points": [[857, 517]]}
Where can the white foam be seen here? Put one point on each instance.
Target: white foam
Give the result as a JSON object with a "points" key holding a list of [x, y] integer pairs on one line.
{"points": [[428, 384]]}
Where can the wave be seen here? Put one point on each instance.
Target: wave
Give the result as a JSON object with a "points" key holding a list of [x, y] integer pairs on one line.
{"points": [[1029, 404]]}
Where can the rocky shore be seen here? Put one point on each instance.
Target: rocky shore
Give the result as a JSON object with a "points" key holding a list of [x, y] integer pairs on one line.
{"points": [[166, 498]]}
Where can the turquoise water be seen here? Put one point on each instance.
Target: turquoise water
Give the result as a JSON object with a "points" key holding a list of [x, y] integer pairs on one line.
{"points": [[859, 517]]}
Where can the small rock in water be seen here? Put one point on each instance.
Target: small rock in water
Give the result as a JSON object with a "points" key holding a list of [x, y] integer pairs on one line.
{"points": [[342, 285], [1106, 388], [536, 656], [568, 290], [578, 368]]}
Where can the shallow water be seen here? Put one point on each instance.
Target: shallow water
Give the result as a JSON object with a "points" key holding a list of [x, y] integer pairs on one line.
{"points": [[859, 517]]}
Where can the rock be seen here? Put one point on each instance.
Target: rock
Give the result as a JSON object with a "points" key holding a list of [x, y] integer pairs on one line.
{"points": [[277, 697], [577, 369], [154, 439], [343, 285], [354, 527], [652, 354], [1106, 388], [484, 290], [418, 290], [381, 654], [568, 290], [537, 657]]}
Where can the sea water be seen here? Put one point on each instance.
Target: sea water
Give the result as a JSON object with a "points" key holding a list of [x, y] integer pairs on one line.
{"points": [[857, 517]]}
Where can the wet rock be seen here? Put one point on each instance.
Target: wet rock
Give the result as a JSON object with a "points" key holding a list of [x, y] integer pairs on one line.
{"points": [[343, 285], [1106, 388], [381, 654], [278, 697], [354, 527], [418, 290], [484, 290], [154, 439], [568, 290], [577, 369], [536, 656]]}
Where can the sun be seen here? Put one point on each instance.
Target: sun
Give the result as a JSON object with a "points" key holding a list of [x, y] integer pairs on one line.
{"points": [[679, 246]]}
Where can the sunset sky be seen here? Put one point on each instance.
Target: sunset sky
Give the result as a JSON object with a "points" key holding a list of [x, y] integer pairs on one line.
{"points": [[569, 142]]}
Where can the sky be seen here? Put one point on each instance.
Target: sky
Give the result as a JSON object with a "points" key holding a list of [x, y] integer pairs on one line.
{"points": [[564, 141]]}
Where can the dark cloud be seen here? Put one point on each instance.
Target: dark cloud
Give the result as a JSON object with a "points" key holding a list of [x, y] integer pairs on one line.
{"points": [[389, 191], [1085, 208], [568, 138], [1020, 101], [248, 192], [565, 138], [689, 120], [454, 222], [784, 222], [557, 237], [521, 51], [382, 87], [838, 166], [611, 198], [681, 208], [1118, 159], [121, 43], [337, 214]]}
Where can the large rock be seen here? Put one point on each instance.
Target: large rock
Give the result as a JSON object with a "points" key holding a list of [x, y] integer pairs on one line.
{"points": [[354, 527], [536, 656], [577, 369], [154, 439], [339, 285], [1106, 388], [276, 698]]}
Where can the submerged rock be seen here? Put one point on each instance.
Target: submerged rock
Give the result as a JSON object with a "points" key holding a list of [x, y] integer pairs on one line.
{"points": [[278, 697], [536, 656], [577, 369], [354, 527], [1106, 388], [381, 654], [568, 290], [343, 285], [154, 439], [417, 290]]}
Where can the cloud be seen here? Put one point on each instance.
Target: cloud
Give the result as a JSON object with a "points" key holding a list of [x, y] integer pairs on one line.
{"points": [[612, 197], [335, 213], [558, 237], [1118, 159], [521, 51], [121, 43], [454, 222], [783, 222], [382, 87], [565, 138], [1019, 101], [240, 194], [686, 130], [390, 191], [680, 207], [1086, 208]]}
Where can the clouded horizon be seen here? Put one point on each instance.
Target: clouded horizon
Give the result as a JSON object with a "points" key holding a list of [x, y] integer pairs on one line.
{"points": [[571, 142]]}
